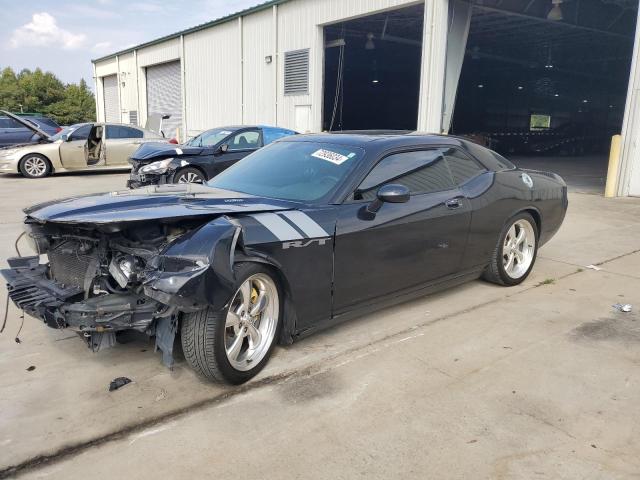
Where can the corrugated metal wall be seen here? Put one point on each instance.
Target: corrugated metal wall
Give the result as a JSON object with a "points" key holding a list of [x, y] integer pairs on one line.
{"points": [[259, 77], [213, 81], [227, 79]]}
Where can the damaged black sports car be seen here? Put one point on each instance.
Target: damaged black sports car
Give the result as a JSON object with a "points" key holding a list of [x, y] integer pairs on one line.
{"points": [[304, 233]]}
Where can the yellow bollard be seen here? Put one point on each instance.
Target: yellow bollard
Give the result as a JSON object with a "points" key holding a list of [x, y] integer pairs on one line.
{"points": [[612, 171]]}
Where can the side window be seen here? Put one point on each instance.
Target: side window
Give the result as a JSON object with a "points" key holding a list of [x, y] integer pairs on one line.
{"points": [[113, 132], [245, 141], [462, 166], [272, 134], [6, 122], [423, 171], [80, 133], [128, 132]]}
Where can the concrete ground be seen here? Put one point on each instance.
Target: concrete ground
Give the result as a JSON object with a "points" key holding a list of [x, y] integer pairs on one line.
{"points": [[535, 381], [583, 174]]}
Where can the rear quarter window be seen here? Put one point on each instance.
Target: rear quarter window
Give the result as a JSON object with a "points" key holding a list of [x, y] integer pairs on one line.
{"points": [[462, 166]]}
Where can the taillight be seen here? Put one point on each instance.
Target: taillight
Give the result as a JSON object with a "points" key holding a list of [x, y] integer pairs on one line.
{"points": [[174, 141], [59, 129]]}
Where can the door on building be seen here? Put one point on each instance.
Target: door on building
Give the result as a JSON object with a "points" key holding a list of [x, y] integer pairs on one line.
{"points": [[543, 83], [111, 101], [372, 71], [164, 96]]}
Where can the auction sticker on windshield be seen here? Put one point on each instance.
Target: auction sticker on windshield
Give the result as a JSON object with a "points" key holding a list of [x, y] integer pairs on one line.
{"points": [[332, 157]]}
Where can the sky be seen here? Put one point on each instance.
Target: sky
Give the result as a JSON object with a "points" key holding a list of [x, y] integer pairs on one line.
{"points": [[63, 36]]}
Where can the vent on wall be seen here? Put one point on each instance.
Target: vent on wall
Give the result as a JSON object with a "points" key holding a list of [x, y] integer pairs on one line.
{"points": [[296, 72], [133, 117]]}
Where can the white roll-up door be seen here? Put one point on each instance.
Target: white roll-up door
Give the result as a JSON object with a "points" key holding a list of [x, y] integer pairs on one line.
{"points": [[164, 95], [111, 103]]}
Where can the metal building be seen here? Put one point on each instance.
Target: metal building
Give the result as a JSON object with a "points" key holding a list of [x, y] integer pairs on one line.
{"points": [[293, 63]]}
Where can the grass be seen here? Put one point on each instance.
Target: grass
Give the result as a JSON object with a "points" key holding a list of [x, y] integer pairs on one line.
{"points": [[547, 281]]}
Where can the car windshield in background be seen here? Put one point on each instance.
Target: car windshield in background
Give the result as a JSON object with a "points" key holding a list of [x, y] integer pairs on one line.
{"points": [[210, 137], [65, 131], [298, 171]]}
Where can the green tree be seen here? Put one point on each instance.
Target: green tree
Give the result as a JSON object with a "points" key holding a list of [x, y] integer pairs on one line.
{"points": [[78, 105], [42, 92], [10, 96]]}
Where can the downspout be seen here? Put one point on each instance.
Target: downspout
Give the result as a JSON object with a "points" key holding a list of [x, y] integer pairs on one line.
{"points": [[183, 89], [241, 70], [95, 85], [275, 60], [135, 58], [119, 86]]}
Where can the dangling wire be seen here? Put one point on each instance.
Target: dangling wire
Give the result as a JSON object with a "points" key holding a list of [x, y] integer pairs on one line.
{"points": [[20, 329], [15, 245], [6, 313], [337, 99]]}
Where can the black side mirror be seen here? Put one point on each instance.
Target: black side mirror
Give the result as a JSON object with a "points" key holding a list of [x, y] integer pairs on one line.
{"points": [[223, 148], [392, 193]]}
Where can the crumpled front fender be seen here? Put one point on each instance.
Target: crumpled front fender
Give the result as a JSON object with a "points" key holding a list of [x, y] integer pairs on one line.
{"points": [[196, 270]]}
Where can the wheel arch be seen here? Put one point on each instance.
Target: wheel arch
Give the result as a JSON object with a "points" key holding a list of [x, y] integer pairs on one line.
{"points": [[46, 157], [289, 318], [194, 166], [537, 216]]}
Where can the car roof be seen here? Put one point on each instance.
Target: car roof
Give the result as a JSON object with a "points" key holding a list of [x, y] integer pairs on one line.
{"points": [[377, 138]]}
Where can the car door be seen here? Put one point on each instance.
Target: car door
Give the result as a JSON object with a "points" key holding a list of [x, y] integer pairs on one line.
{"points": [[239, 146], [120, 142], [73, 149], [405, 245]]}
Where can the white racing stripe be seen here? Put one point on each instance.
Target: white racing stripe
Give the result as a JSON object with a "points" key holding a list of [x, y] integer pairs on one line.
{"points": [[305, 223], [277, 226]]}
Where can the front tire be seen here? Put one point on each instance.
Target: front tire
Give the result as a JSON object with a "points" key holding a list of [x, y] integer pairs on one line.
{"points": [[189, 175], [35, 165], [515, 253], [232, 345]]}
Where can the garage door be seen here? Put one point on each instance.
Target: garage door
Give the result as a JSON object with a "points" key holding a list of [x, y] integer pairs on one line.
{"points": [[111, 104], [164, 95]]}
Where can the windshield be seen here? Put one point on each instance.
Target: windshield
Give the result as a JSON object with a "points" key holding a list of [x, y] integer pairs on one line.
{"points": [[64, 131], [210, 137], [298, 171]]}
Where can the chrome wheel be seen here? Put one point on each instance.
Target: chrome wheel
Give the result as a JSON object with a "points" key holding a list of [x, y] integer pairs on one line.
{"points": [[35, 166], [189, 177], [518, 249], [251, 322]]}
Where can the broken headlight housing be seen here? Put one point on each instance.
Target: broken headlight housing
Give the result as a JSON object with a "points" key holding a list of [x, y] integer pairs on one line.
{"points": [[158, 167], [124, 268]]}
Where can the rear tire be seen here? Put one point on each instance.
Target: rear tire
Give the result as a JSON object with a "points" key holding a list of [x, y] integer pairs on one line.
{"points": [[232, 345], [514, 256], [189, 175], [35, 165]]}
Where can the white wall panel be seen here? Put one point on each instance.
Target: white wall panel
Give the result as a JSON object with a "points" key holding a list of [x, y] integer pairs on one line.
{"points": [[259, 77], [213, 79], [128, 85], [160, 53], [106, 67]]}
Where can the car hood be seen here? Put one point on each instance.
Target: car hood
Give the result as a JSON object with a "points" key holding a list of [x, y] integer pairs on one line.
{"points": [[166, 203], [30, 126], [152, 151]]}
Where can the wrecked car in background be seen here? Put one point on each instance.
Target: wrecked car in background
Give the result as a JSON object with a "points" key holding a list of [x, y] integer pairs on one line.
{"points": [[304, 233], [201, 158], [82, 146]]}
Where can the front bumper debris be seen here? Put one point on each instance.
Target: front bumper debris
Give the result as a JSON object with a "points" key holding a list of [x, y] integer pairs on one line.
{"points": [[62, 306]]}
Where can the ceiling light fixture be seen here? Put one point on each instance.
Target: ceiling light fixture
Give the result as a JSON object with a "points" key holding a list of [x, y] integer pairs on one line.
{"points": [[520, 87], [556, 94], [480, 85], [555, 13], [370, 45]]}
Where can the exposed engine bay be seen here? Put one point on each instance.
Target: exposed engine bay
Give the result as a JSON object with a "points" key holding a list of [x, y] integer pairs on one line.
{"points": [[100, 280]]}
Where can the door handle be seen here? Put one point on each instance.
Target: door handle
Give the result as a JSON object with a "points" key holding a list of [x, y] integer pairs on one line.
{"points": [[453, 203]]}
